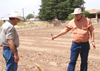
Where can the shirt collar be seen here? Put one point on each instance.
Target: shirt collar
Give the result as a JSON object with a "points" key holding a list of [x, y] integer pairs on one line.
{"points": [[11, 22]]}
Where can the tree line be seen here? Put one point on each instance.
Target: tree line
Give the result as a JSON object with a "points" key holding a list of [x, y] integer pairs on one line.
{"points": [[60, 9]]}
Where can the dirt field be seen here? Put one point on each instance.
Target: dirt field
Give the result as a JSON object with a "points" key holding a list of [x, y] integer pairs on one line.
{"points": [[36, 46]]}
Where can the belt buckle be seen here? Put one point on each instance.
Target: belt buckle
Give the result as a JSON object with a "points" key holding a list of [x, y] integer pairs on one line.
{"points": [[78, 42]]}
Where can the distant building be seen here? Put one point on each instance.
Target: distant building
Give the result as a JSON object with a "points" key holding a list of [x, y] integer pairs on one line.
{"points": [[94, 15], [5, 19], [34, 19]]}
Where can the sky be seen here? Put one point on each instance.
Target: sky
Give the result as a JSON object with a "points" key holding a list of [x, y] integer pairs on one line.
{"points": [[29, 6], [33, 6], [92, 4]]}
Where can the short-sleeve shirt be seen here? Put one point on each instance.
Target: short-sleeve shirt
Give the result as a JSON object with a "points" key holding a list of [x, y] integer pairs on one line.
{"points": [[80, 29], [8, 31]]}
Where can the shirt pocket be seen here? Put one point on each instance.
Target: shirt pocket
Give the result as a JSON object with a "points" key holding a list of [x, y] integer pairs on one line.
{"points": [[82, 31]]}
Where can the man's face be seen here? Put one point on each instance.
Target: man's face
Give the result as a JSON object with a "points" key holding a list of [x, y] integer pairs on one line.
{"points": [[16, 21], [78, 16]]}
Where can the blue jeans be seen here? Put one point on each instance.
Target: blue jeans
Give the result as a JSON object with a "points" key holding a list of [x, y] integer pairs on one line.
{"points": [[83, 50], [9, 59]]}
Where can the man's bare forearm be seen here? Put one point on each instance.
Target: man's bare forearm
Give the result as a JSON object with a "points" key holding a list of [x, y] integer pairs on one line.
{"points": [[12, 46], [92, 35]]}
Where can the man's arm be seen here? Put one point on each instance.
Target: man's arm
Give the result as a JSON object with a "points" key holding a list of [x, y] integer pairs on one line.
{"points": [[92, 38], [65, 30], [12, 47]]}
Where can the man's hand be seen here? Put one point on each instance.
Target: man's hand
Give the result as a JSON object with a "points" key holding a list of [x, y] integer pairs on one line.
{"points": [[53, 37], [93, 44], [16, 57]]}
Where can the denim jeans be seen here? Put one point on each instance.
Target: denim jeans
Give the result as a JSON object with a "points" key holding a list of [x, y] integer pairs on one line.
{"points": [[9, 59], [83, 50]]}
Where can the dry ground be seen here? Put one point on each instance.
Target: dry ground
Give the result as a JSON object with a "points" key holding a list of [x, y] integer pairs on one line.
{"points": [[36, 46]]}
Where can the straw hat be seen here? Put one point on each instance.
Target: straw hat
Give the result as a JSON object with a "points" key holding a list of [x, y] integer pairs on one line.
{"points": [[15, 14], [77, 11]]}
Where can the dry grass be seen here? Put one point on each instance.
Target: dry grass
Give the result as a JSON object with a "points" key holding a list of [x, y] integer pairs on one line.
{"points": [[32, 24], [1, 22]]}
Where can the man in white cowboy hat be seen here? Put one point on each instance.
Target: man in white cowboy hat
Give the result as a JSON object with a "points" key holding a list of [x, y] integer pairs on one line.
{"points": [[9, 39], [81, 27]]}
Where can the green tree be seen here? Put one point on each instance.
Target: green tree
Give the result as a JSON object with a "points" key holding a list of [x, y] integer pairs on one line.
{"points": [[47, 11], [86, 14], [70, 17], [60, 9], [29, 16]]}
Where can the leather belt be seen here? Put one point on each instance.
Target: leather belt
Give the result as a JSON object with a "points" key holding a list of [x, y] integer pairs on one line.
{"points": [[8, 46], [78, 42]]}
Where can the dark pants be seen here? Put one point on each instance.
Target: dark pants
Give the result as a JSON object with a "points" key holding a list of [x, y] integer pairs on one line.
{"points": [[9, 59], [83, 50]]}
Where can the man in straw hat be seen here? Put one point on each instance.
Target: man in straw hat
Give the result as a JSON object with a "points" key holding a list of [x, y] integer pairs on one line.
{"points": [[81, 27], [10, 41]]}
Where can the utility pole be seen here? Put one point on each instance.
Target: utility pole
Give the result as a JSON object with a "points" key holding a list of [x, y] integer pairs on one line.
{"points": [[34, 14], [23, 13]]}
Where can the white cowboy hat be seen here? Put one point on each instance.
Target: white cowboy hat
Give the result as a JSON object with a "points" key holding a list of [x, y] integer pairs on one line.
{"points": [[15, 14], [77, 11]]}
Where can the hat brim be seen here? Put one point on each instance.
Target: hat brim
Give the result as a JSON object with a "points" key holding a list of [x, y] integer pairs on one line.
{"points": [[76, 13], [19, 17]]}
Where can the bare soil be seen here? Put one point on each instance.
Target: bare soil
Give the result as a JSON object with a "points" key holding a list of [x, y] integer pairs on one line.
{"points": [[36, 46]]}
